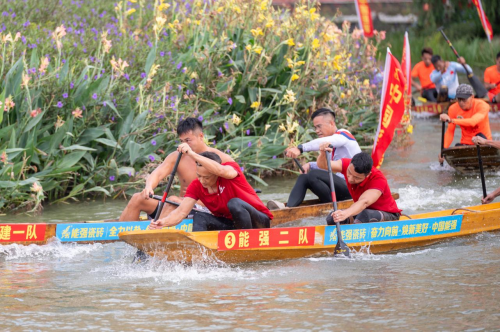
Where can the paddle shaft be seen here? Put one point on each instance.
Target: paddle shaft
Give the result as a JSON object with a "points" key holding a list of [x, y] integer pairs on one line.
{"points": [[299, 165], [454, 51], [332, 184], [167, 189], [481, 170], [442, 140]]}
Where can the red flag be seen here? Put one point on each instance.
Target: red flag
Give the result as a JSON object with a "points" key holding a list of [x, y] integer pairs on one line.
{"points": [[484, 20], [406, 64], [364, 17], [392, 107]]}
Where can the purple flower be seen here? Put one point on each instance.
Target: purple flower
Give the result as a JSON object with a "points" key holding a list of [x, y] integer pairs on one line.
{"points": [[361, 124], [129, 174], [230, 101], [200, 118], [242, 168], [249, 144], [112, 178], [59, 104], [132, 88], [179, 65], [274, 157], [126, 76], [143, 75], [162, 53], [248, 131], [220, 129], [153, 142], [112, 118], [151, 157], [226, 125], [65, 95], [94, 96], [71, 85], [220, 74]]}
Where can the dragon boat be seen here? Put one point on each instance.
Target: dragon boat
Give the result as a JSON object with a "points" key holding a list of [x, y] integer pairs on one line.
{"points": [[434, 109], [107, 230], [242, 246], [464, 158]]}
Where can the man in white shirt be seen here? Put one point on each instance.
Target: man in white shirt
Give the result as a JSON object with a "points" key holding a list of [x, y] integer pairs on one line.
{"points": [[314, 178]]}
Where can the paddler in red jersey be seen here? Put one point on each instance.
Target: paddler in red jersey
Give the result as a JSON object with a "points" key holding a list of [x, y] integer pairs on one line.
{"points": [[369, 189], [468, 113], [224, 190]]}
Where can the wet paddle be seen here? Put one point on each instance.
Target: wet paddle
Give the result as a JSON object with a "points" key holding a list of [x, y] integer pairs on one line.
{"points": [[481, 170], [141, 255], [481, 91], [341, 247], [299, 165], [442, 140]]}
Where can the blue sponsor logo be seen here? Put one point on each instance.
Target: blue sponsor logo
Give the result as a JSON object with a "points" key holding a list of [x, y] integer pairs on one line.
{"points": [[106, 231], [383, 231]]}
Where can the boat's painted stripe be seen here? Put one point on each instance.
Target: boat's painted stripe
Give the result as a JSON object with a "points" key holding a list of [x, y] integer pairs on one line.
{"points": [[22, 232], [107, 231], [404, 229], [266, 238]]}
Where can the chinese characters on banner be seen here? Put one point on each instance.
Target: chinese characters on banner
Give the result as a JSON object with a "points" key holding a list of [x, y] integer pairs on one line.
{"points": [[22, 232], [484, 20], [392, 107], [364, 17], [266, 238]]}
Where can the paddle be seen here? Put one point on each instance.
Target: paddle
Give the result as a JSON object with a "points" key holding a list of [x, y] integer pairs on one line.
{"points": [[341, 247], [141, 255], [299, 165], [442, 140], [481, 91], [481, 170]]}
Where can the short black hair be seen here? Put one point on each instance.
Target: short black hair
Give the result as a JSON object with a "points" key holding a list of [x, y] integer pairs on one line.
{"points": [[210, 155], [323, 111], [498, 55], [362, 163], [435, 59], [188, 124], [427, 50]]}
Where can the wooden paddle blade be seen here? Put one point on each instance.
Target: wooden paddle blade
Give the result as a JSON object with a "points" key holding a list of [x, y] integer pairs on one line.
{"points": [[341, 248], [481, 91], [140, 257]]}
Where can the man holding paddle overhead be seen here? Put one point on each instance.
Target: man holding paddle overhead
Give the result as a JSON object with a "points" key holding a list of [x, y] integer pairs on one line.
{"points": [[316, 179], [224, 190], [190, 131], [369, 189], [470, 114], [492, 81], [445, 74]]}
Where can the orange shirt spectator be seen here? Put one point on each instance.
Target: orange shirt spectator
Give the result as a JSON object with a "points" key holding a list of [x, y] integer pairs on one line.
{"points": [[492, 76], [471, 122], [423, 73]]}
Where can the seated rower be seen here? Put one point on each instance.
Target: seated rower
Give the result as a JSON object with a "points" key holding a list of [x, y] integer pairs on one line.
{"points": [[445, 74], [316, 179], [468, 113], [492, 81], [190, 131], [369, 189], [422, 71], [224, 190], [496, 144]]}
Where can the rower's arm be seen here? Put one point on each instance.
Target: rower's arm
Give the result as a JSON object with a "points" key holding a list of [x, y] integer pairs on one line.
{"points": [[448, 136], [365, 200], [335, 140], [162, 171], [416, 84], [495, 144], [224, 171], [176, 216], [474, 120], [336, 164], [435, 76]]}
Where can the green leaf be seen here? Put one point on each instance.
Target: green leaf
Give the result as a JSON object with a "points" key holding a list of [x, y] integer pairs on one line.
{"points": [[33, 122], [76, 189], [240, 98], [126, 170], [78, 147], [99, 189], [150, 60], [70, 159], [64, 72], [134, 151], [108, 142], [91, 134], [257, 179]]}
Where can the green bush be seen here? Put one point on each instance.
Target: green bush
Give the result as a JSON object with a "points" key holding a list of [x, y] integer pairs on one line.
{"points": [[92, 93]]}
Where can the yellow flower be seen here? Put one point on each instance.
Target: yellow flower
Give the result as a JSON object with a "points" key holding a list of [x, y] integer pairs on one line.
{"points": [[26, 80], [290, 42], [410, 129], [59, 123], [248, 47], [315, 43], [130, 11], [236, 119], [257, 32], [342, 95], [255, 104], [295, 77], [282, 127], [366, 82], [293, 127], [220, 9], [152, 71], [313, 14], [258, 49], [266, 127], [163, 6], [269, 23], [133, 1], [289, 97]]}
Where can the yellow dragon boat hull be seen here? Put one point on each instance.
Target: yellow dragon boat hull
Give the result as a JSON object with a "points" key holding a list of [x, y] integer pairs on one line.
{"points": [[240, 246]]}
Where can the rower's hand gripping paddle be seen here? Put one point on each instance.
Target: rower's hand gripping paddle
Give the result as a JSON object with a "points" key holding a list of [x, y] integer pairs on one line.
{"points": [[481, 91], [341, 247]]}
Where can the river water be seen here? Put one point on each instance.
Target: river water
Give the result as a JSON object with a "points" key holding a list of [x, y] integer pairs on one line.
{"points": [[448, 286]]}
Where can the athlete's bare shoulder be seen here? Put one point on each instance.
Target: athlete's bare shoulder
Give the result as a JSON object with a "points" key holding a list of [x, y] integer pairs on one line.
{"points": [[224, 157]]}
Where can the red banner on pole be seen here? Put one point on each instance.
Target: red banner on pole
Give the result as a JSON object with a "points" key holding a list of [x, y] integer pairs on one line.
{"points": [[364, 17], [406, 64], [392, 107], [484, 20]]}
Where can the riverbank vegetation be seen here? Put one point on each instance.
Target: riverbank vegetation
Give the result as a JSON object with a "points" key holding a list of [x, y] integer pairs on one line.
{"points": [[91, 91]]}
